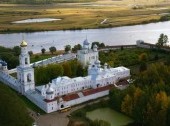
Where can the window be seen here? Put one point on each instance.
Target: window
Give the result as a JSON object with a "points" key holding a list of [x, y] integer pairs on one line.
{"points": [[29, 77], [26, 61]]}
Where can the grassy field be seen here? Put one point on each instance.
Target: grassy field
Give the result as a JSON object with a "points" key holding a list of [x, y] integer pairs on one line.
{"points": [[81, 15]]}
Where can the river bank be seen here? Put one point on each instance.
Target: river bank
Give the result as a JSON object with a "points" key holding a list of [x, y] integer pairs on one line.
{"points": [[8, 31]]}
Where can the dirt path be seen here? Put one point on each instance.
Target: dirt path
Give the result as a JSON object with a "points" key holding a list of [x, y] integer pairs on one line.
{"points": [[53, 119]]}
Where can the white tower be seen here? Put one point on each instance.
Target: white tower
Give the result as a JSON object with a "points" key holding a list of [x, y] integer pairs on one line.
{"points": [[95, 48], [86, 44], [94, 70], [25, 73], [50, 93], [3, 66]]}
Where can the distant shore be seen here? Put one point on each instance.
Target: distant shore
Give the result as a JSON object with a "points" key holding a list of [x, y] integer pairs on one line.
{"points": [[90, 17], [72, 29]]}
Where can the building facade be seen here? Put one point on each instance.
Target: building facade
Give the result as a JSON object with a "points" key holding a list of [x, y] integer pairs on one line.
{"points": [[87, 55]]}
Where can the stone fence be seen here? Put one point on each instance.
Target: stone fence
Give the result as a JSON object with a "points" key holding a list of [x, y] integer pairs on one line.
{"points": [[9, 80]]}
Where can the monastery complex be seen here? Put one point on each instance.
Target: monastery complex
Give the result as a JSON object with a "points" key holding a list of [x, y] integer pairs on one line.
{"points": [[63, 91]]}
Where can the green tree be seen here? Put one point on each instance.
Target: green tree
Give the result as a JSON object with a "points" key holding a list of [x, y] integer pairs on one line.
{"points": [[30, 53], [52, 49], [12, 60], [95, 43], [43, 50], [102, 45], [67, 48], [17, 50], [163, 40], [54, 70], [67, 69], [45, 74], [76, 47]]}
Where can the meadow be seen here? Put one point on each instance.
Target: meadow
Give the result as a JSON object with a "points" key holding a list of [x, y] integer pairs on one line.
{"points": [[81, 15]]}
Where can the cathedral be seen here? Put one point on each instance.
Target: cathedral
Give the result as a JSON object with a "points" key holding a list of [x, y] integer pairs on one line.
{"points": [[87, 55], [63, 92]]}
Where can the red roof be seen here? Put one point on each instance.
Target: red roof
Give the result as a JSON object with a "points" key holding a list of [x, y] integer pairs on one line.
{"points": [[46, 100], [99, 89], [87, 92], [70, 97]]}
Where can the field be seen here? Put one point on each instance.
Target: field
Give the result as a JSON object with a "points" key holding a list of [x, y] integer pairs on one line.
{"points": [[82, 15]]}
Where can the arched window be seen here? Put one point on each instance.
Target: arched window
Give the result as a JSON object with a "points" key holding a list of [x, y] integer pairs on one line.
{"points": [[62, 106], [26, 60], [28, 77]]}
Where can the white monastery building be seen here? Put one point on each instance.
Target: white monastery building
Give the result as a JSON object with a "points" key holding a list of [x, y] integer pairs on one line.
{"points": [[87, 55], [64, 91]]}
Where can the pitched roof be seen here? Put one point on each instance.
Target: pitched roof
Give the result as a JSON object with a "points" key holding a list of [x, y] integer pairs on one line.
{"points": [[99, 89], [70, 97]]}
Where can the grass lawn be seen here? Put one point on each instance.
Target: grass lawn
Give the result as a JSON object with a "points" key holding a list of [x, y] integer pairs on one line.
{"points": [[81, 15]]}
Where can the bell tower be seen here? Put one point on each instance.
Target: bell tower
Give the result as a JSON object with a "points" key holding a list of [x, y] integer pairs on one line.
{"points": [[25, 73]]}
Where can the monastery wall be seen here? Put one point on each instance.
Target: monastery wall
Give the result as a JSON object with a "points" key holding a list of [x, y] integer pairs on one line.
{"points": [[9, 80], [37, 101]]}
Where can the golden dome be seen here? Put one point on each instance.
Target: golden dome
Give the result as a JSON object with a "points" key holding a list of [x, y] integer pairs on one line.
{"points": [[23, 43]]}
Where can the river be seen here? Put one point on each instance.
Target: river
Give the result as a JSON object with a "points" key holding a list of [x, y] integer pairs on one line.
{"points": [[110, 36]]}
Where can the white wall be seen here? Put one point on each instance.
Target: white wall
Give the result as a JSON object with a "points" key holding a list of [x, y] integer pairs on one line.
{"points": [[9, 80]]}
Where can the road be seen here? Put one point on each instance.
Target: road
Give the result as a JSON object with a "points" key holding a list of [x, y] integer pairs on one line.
{"points": [[56, 118]]}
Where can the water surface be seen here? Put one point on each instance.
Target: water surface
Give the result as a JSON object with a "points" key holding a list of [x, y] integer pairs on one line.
{"points": [[110, 36], [36, 20], [113, 117]]}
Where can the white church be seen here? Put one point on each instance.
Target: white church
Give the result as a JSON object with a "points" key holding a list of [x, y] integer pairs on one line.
{"points": [[87, 55], [64, 91]]}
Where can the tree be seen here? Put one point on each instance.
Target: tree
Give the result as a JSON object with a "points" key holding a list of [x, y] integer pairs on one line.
{"points": [[17, 50], [12, 60], [102, 45], [30, 53], [45, 74], [52, 49], [54, 70], [143, 59], [127, 105], [67, 69], [76, 47], [43, 50], [95, 43], [163, 40], [67, 48]]}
